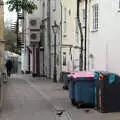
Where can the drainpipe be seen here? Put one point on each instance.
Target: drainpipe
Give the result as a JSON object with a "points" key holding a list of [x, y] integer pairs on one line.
{"points": [[85, 43], [81, 35], [61, 41], [33, 72], [88, 47], [49, 34]]}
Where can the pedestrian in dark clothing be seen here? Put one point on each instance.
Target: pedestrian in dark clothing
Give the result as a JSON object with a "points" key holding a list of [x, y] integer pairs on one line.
{"points": [[9, 67]]}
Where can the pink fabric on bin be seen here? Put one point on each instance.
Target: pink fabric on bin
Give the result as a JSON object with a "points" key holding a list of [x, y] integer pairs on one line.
{"points": [[81, 74]]}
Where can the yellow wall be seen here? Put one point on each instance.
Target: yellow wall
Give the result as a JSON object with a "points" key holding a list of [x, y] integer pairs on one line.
{"points": [[70, 21], [70, 38]]}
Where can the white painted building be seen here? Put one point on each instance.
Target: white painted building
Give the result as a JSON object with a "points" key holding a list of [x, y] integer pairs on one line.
{"points": [[70, 36], [26, 66], [103, 34], [39, 61], [67, 37]]}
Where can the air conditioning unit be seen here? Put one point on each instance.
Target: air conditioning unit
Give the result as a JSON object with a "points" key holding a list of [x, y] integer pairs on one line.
{"points": [[34, 24], [34, 36]]}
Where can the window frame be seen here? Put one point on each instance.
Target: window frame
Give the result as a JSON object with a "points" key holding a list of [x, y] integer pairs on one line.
{"points": [[84, 17], [95, 15], [118, 7], [54, 9], [64, 63], [65, 20], [43, 13]]}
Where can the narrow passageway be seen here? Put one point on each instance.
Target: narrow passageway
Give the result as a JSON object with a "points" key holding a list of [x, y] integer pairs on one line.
{"points": [[27, 98], [24, 103]]}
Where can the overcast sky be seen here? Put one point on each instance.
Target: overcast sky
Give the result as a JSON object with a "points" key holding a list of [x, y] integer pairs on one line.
{"points": [[10, 17]]}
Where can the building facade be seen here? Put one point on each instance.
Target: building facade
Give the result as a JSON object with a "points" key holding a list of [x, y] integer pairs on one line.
{"points": [[1, 35], [38, 57], [70, 37], [102, 34]]}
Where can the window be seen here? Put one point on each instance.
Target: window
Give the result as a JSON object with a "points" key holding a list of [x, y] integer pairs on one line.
{"points": [[43, 14], [95, 17], [83, 17], [64, 58], [69, 12], [119, 4], [65, 18], [54, 9], [77, 32], [91, 56], [70, 53], [57, 59]]}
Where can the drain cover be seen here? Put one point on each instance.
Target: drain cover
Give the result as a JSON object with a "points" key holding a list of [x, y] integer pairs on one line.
{"points": [[63, 115]]}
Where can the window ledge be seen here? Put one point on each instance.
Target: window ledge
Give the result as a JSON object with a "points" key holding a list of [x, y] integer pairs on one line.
{"points": [[118, 10], [94, 30], [83, 26], [54, 10], [64, 35]]}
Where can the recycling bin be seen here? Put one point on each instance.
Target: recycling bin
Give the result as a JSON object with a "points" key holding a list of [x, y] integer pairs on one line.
{"points": [[82, 88], [85, 92], [72, 90], [72, 82], [107, 92]]}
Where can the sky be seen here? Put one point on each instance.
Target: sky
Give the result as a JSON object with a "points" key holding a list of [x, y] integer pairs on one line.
{"points": [[9, 17]]}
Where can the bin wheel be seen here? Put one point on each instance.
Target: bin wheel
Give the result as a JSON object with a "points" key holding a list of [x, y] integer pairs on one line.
{"points": [[78, 105], [73, 102], [65, 87], [102, 111]]}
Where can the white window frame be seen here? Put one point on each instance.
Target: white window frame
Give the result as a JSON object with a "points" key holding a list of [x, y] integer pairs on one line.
{"points": [[64, 59], [77, 32], [95, 11], [65, 20], [119, 4], [83, 12], [43, 14], [54, 9]]}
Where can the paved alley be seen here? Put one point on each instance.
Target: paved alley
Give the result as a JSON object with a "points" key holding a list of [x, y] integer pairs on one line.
{"points": [[24, 103], [37, 99]]}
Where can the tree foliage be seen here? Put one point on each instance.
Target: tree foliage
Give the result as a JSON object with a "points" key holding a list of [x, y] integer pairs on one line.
{"points": [[19, 5], [27, 6], [10, 39]]}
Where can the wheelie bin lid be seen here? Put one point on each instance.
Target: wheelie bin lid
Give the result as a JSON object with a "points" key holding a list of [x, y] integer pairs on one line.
{"points": [[82, 75], [110, 75]]}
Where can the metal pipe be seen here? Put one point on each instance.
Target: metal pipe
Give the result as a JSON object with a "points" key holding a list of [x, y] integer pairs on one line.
{"points": [[61, 41], [33, 59], [85, 43], [43, 52], [49, 34], [81, 34], [55, 71], [17, 27], [88, 34]]}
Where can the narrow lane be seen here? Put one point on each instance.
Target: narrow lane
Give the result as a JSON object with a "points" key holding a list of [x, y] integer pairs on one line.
{"points": [[24, 103]]}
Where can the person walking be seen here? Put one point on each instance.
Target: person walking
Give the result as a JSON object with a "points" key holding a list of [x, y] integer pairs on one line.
{"points": [[9, 66]]}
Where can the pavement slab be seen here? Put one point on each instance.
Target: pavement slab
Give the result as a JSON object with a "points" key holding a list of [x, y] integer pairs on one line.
{"points": [[38, 99], [23, 103]]}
